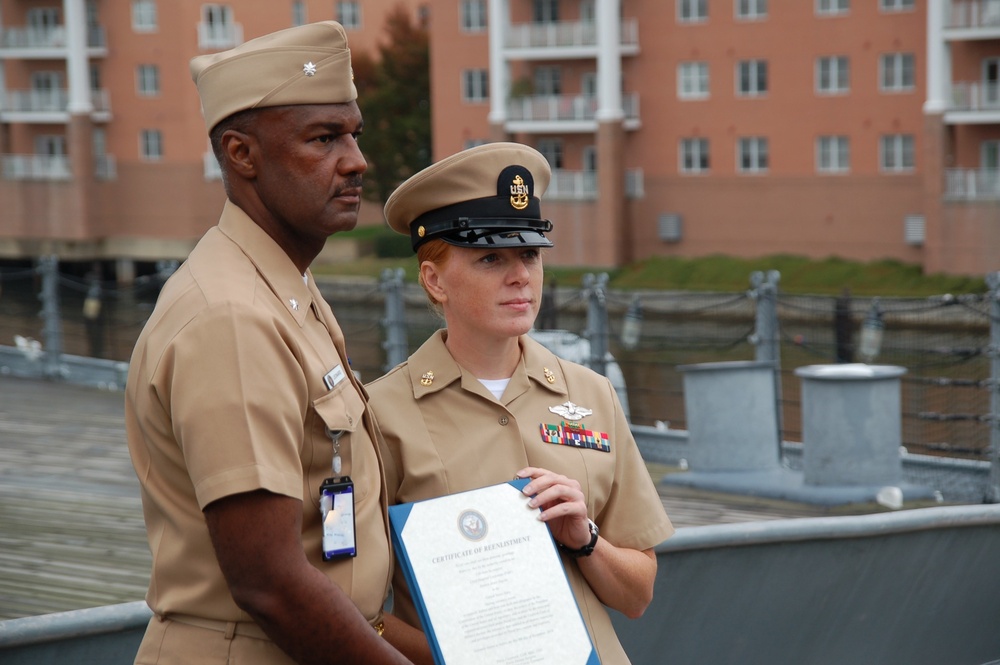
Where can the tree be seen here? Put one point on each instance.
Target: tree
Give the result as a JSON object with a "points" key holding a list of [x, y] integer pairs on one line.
{"points": [[394, 95]]}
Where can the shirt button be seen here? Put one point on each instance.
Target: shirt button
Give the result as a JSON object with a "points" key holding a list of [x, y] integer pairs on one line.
{"points": [[504, 420]]}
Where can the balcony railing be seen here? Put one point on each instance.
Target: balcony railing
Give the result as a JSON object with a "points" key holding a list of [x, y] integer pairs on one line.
{"points": [[49, 101], [975, 96], [35, 167], [214, 36], [566, 34], [582, 185], [548, 108], [974, 14], [572, 186], [47, 38], [972, 184]]}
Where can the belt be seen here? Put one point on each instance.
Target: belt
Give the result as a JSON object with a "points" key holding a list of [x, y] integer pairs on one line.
{"points": [[245, 628]]}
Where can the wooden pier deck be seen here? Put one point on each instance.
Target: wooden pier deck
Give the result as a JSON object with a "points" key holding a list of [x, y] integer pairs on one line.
{"points": [[71, 529]]}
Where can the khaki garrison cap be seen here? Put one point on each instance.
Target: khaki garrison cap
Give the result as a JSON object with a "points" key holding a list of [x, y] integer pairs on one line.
{"points": [[308, 64], [487, 196]]}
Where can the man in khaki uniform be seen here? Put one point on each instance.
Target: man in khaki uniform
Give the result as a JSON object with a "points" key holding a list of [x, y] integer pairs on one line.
{"points": [[481, 402], [240, 398]]}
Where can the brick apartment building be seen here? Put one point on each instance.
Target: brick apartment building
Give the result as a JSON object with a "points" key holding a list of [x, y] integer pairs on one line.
{"points": [[864, 129]]}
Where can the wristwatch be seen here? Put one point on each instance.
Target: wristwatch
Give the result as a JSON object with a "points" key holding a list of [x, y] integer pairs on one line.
{"points": [[587, 549]]}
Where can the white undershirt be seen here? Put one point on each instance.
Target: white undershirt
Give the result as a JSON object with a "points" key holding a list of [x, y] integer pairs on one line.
{"points": [[495, 386]]}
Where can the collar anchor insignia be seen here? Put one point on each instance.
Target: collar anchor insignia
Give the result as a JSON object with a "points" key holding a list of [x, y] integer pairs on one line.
{"points": [[427, 378]]}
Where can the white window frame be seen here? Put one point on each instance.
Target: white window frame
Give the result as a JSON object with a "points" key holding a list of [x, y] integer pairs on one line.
{"points": [[750, 10], [349, 14], [588, 84], [897, 153], [833, 154], [545, 11], [151, 145], [692, 11], [475, 86], [833, 75], [897, 5], [144, 16], [147, 80], [472, 16], [753, 154], [751, 78], [694, 155], [589, 158], [43, 19], [832, 7], [547, 80], [300, 13], [50, 145], [554, 152], [989, 155], [692, 80], [897, 72]]}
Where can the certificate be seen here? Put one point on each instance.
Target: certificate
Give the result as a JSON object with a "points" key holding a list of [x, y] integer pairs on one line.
{"points": [[487, 580]]}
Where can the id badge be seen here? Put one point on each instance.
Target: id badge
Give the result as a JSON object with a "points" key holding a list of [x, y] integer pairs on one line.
{"points": [[336, 502]]}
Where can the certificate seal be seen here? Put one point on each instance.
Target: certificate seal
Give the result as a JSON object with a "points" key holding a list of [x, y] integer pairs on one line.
{"points": [[472, 525]]}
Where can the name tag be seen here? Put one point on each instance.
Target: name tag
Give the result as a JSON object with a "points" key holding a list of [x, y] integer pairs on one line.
{"points": [[334, 376]]}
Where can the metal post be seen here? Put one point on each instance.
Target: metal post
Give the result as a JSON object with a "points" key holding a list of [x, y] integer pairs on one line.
{"points": [[48, 266], [992, 494], [765, 337], [395, 344], [597, 320]]}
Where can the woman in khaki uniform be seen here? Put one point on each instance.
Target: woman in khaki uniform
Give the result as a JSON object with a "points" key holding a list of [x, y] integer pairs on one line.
{"points": [[480, 402]]}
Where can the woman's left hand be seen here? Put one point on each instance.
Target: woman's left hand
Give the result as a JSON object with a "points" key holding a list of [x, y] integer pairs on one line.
{"points": [[563, 505]]}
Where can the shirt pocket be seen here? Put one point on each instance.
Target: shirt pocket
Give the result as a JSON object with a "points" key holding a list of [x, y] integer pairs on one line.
{"points": [[341, 413]]}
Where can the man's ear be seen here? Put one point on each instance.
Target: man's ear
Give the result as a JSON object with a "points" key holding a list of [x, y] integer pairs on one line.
{"points": [[431, 279], [237, 149]]}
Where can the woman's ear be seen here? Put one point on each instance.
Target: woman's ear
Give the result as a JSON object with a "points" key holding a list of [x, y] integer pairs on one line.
{"points": [[430, 276]]}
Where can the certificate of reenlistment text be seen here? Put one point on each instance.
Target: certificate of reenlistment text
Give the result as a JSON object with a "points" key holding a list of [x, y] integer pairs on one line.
{"points": [[487, 580]]}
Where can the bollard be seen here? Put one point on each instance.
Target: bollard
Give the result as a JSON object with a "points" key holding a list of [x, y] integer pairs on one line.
{"points": [[851, 424], [732, 424]]}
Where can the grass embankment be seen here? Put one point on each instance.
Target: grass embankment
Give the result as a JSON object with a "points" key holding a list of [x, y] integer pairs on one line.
{"points": [[799, 275]]}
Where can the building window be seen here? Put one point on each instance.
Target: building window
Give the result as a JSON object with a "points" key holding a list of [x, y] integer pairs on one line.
{"points": [[545, 11], [833, 75], [751, 78], [552, 150], [896, 5], [692, 80], [896, 153], [147, 80], [299, 14], [217, 29], [472, 143], [832, 7], [548, 81], [896, 72], [151, 145], [349, 14], [694, 156], [475, 85], [752, 155], [473, 15], [692, 11], [144, 15], [833, 154], [751, 9], [43, 20]]}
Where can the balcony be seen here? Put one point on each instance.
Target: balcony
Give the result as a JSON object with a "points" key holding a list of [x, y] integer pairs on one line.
{"points": [[582, 185], [972, 184], [564, 113], [49, 106], [47, 43], [35, 167], [974, 102], [567, 39], [215, 36], [969, 20]]}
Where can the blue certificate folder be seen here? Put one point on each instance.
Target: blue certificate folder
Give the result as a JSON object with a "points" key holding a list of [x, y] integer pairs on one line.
{"points": [[481, 521]]}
